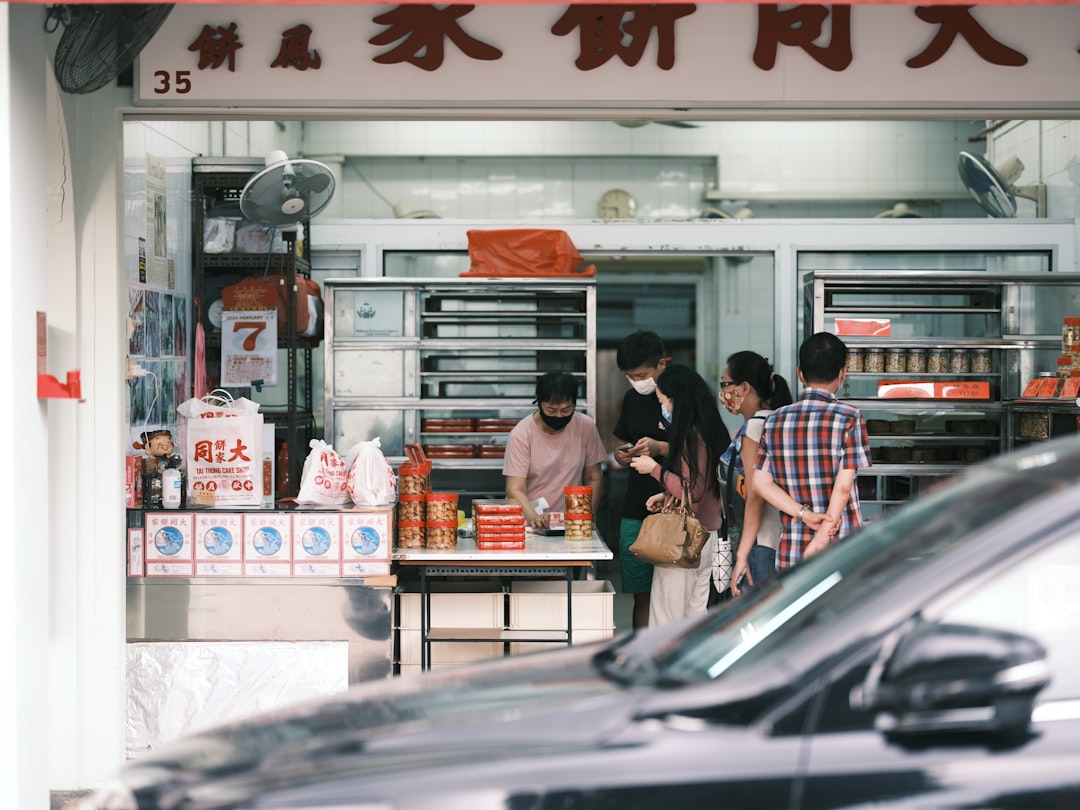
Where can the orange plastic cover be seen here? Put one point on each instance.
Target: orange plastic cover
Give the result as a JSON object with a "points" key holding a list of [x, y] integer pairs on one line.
{"points": [[525, 252]]}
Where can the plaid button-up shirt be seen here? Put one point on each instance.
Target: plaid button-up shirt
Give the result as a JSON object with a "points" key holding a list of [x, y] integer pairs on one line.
{"points": [[804, 447]]}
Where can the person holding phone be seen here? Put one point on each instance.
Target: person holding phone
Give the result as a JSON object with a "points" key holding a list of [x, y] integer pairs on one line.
{"points": [[642, 431]]}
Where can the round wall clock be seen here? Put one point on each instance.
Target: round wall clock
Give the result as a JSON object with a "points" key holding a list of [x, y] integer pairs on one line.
{"points": [[616, 204]]}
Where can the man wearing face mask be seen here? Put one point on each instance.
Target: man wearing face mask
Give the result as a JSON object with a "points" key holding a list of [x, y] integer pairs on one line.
{"points": [[643, 426], [553, 448]]}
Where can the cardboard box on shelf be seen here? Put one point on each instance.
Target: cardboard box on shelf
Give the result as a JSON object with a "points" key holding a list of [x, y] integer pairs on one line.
{"points": [[316, 544], [267, 544], [219, 544], [136, 553], [875, 327], [169, 544], [925, 389], [367, 537]]}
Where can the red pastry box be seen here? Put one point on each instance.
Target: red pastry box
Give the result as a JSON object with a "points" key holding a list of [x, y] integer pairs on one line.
{"points": [[877, 327], [447, 425], [500, 524], [434, 451], [495, 425], [921, 389]]}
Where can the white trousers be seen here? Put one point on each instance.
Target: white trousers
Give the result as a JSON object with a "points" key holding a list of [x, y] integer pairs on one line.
{"points": [[680, 592]]}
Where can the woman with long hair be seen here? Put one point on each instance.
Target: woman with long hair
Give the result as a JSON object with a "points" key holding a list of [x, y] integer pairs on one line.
{"points": [[696, 440], [750, 388]]}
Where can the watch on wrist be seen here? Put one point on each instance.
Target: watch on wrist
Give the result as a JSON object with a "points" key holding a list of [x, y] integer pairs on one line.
{"points": [[802, 511]]}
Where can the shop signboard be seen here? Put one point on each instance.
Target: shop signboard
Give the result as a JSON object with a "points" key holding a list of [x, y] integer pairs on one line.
{"points": [[673, 58]]}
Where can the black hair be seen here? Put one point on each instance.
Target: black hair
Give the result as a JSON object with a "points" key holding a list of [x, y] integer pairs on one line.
{"points": [[638, 349], [695, 418], [556, 387], [821, 357], [751, 367]]}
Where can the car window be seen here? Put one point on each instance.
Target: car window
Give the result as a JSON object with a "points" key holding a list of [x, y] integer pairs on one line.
{"points": [[1038, 597]]}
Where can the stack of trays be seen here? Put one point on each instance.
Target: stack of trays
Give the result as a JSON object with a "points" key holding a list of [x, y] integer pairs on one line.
{"points": [[500, 524]]}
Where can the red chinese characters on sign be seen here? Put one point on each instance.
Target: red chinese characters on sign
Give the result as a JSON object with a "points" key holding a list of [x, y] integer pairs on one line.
{"points": [[214, 452], [801, 26], [423, 30], [418, 34], [957, 21], [605, 29], [294, 50], [216, 46]]}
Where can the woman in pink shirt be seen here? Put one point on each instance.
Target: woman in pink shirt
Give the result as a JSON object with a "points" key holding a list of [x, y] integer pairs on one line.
{"points": [[697, 438]]}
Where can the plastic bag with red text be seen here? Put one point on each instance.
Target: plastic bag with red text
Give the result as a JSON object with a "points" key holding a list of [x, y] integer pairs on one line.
{"points": [[324, 479]]}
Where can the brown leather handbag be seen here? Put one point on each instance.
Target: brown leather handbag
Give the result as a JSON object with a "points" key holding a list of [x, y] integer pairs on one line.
{"points": [[672, 537]]}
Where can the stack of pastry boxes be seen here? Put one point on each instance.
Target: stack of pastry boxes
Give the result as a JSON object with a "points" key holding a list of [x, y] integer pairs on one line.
{"points": [[351, 542], [500, 524]]}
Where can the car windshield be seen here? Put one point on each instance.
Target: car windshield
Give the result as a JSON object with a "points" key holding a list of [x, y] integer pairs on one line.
{"points": [[877, 555]]}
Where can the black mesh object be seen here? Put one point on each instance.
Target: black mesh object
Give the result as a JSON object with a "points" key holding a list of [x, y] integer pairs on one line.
{"points": [[101, 41]]}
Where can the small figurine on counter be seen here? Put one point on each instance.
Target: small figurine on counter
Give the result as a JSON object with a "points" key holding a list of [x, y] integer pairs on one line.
{"points": [[160, 450]]}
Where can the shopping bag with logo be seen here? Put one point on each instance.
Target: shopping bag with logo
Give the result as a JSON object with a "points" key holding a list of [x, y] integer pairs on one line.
{"points": [[672, 537], [221, 439], [324, 480], [371, 478]]}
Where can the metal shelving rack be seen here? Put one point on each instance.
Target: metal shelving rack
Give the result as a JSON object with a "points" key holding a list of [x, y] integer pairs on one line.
{"points": [[403, 351], [1016, 317]]}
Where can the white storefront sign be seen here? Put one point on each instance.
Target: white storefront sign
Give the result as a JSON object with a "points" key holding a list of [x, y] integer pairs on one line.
{"points": [[666, 56]]}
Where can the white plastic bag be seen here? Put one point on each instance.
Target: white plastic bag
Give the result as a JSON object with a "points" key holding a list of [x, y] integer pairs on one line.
{"points": [[323, 481], [371, 478]]}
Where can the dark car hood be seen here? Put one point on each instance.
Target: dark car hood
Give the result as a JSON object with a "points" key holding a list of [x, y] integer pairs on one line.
{"points": [[511, 708]]}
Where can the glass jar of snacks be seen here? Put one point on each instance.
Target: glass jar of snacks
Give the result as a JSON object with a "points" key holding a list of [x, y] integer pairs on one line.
{"points": [[578, 501], [854, 360], [1064, 365], [442, 507], [411, 508], [982, 362], [441, 534], [916, 360], [411, 534], [1070, 334], [578, 527], [874, 361], [896, 360], [959, 361], [937, 361]]}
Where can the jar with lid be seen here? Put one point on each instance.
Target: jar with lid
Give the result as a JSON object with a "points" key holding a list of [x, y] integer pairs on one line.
{"points": [[1064, 366], [874, 360], [916, 360], [937, 361], [896, 361], [1070, 334], [982, 362], [854, 361], [959, 361]]}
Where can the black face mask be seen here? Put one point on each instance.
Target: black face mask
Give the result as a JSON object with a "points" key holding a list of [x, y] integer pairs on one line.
{"points": [[556, 422]]}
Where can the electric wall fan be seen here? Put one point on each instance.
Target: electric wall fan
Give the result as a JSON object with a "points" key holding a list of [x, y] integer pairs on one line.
{"points": [[992, 186], [287, 191], [100, 41]]}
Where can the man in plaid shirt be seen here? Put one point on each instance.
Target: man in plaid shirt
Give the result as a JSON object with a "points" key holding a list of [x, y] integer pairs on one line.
{"points": [[809, 454]]}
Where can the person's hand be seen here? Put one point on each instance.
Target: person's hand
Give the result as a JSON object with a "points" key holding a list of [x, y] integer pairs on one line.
{"points": [[822, 537], [622, 457], [535, 519], [651, 447], [644, 464], [655, 502], [813, 519], [741, 569]]}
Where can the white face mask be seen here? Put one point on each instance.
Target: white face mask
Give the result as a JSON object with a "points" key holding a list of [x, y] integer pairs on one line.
{"points": [[643, 387]]}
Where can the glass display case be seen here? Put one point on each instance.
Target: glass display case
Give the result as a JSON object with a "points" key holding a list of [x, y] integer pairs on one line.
{"points": [[933, 359]]}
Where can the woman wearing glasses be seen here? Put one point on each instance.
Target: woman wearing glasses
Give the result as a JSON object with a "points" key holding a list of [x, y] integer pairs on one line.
{"points": [[749, 387]]}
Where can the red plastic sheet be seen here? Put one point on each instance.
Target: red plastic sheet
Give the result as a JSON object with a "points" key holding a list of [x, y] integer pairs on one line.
{"points": [[525, 252]]}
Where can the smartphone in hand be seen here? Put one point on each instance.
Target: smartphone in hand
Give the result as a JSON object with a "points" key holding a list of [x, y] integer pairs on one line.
{"points": [[625, 448]]}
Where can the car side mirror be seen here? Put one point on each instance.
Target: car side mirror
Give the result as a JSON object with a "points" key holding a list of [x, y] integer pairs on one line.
{"points": [[947, 678]]}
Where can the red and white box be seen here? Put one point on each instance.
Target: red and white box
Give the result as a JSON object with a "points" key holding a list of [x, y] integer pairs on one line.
{"points": [[219, 544], [170, 544], [133, 482], [920, 389], [316, 544], [367, 536], [875, 327], [267, 544], [136, 553]]}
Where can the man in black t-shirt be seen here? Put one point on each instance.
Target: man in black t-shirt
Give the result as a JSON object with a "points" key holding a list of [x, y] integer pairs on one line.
{"points": [[642, 430]]}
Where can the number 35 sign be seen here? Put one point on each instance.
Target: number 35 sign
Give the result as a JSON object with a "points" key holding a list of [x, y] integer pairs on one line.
{"points": [[248, 348]]}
